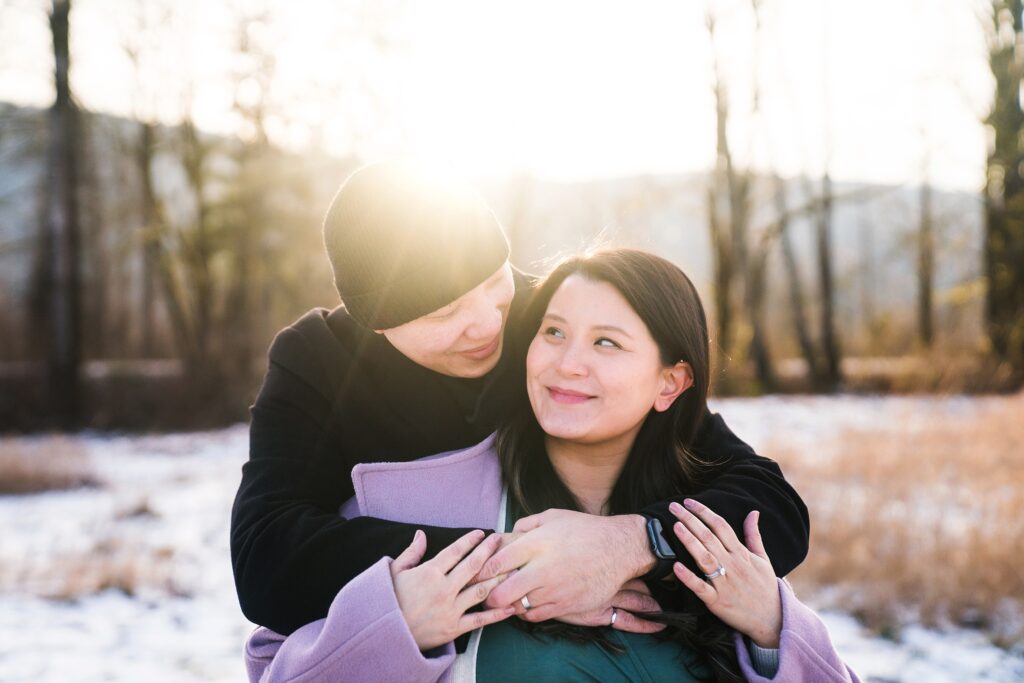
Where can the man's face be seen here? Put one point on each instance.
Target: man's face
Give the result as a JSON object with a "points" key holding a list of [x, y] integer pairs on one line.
{"points": [[464, 338]]}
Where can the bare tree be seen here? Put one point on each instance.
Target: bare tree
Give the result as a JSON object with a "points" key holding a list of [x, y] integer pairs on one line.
{"points": [[798, 314], [137, 42], [826, 286], [724, 195], [1004, 188], [926, 268], [64, 319], [250, 288], [832, 375], [740, 267]]}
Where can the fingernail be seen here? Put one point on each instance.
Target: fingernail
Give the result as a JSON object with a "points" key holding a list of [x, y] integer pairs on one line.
{"points": [[675, 507], [680, 528], [690, 503], [510, 610]]}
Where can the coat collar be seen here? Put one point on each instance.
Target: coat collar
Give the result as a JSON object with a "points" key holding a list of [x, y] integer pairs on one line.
{"points": [[455, 489]]}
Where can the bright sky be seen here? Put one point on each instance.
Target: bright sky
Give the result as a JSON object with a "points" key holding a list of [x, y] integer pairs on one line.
{"points": [[557, 88]]}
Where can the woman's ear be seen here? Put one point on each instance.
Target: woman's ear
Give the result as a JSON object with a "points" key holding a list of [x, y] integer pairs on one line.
{"points": [[674, 381]]}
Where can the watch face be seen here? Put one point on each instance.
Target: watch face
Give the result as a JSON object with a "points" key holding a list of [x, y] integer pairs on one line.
{"points": [[659, 546]]}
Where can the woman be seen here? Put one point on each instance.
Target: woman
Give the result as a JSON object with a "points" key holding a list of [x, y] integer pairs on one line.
{"points": [[616, 385]]}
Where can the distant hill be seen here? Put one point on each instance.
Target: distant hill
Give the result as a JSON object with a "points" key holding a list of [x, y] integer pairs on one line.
{"points": [[873, 235]]}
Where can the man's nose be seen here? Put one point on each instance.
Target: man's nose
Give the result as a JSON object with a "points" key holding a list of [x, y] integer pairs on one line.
{"points": [[487, 323]]}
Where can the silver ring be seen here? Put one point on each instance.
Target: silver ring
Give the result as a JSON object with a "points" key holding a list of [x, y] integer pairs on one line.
{"points": [[615, 615], [526, 602], [715, 574]]}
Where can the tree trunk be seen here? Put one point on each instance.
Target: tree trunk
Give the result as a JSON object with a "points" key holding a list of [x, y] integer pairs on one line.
{"points": [[925, 269], [62, 231], [798, 315], [756, 292], [1004, 205], [721, 201], [723, 275], [197, 259], [150, 240], [823, 233]]}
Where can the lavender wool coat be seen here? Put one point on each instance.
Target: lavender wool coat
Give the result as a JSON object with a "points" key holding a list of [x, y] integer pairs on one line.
{"points": [[365, 638]]}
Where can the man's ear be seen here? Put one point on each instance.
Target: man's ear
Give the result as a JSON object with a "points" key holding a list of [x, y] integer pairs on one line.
{"points": [[674, 381]]}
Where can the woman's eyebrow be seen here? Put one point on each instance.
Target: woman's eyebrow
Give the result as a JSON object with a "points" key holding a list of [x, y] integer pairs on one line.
{"points": [[610, 328]]}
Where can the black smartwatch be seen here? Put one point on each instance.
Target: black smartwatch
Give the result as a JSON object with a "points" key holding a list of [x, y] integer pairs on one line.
{"points": [[664, 555]]}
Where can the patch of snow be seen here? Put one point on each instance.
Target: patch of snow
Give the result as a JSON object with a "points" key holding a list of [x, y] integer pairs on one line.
{"points": [[192, 629]]}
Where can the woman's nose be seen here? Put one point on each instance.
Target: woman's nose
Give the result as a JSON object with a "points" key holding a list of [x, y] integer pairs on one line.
{"points": [[571, 362]]}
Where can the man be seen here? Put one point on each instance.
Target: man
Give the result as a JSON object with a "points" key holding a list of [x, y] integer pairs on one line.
{"points": [[424, 356]]}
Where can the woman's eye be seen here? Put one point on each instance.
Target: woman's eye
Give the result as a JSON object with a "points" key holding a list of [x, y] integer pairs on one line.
{"points": [[605, 342], [554, 332]]}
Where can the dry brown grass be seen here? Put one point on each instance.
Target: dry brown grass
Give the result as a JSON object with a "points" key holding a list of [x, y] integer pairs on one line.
{"points": [[43, 464], [921, 522], [133, 568]]}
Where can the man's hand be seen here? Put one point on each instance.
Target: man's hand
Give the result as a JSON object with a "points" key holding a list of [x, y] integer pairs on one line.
{"points": [[634, 598], [568, 563]]}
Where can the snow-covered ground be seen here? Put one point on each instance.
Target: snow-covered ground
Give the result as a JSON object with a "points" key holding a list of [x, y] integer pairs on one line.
{"points": [[160, 526]]}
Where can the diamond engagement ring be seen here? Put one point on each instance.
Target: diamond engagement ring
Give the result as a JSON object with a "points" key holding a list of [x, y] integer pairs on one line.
{"points": [[715, 574]]}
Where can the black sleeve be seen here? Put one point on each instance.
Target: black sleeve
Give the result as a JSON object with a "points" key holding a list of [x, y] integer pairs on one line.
{"points": [[740, 481], [291, 551]]}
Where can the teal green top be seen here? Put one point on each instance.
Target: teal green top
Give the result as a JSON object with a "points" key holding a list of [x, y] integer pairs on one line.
{"points": [[509, 654]]}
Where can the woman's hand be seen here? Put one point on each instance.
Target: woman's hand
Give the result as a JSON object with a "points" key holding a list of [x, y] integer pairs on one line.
{"points": [[433, 596], [746, 595]]}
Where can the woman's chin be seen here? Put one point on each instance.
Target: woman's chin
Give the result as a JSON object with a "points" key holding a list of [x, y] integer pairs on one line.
{"points": [[565, 431]]}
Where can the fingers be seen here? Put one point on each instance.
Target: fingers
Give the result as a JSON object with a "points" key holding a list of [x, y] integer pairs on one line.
{"points": [[705, 560], [551, 610], [624, 621], [450, 556], [529, 523], [635, 602], [474, 620], [701, 588], [512, 589], [475, 594], [753, 534], [697, 527], [512, 556], [474, 562], [412, 555], [636, 585], [724, 533]]}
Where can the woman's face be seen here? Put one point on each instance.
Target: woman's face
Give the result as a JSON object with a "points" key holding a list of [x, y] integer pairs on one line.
{"points": [[593, 372]]}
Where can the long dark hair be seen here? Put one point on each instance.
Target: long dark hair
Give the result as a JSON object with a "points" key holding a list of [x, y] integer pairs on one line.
{"points": [[660, 464]]}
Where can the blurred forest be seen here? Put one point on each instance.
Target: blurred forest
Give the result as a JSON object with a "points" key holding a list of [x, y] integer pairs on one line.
{"points": [[145, 264]]}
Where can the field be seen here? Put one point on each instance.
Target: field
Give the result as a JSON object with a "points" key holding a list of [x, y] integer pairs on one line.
{"points": [[917, 509]]}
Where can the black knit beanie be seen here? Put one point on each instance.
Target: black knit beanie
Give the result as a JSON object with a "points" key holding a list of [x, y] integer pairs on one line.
{"points": [[404, 243]]}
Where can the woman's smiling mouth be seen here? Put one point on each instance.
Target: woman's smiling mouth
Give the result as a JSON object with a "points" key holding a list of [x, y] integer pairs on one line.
{"points": [[559, 395]]}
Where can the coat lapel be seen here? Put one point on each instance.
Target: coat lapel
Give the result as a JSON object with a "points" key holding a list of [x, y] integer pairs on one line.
{"points": [[457, 489]]}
